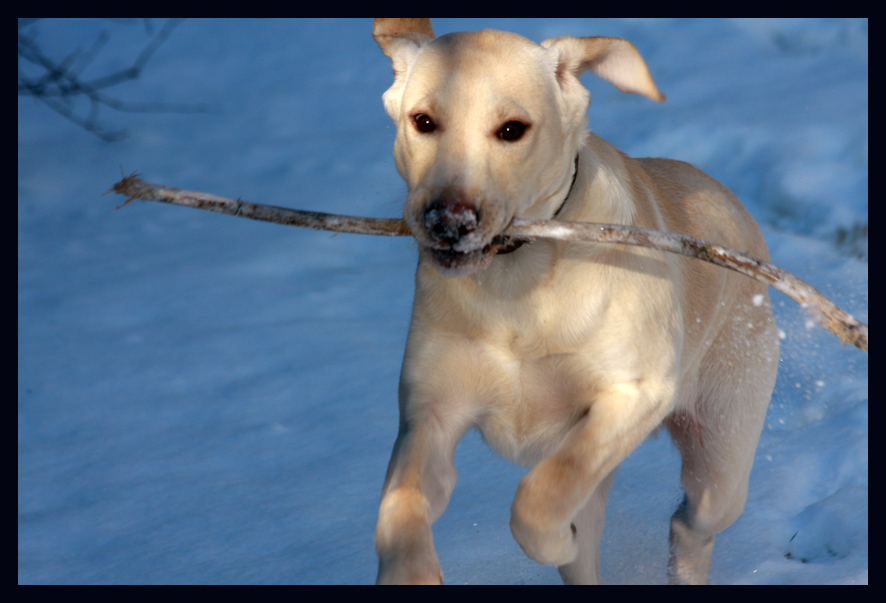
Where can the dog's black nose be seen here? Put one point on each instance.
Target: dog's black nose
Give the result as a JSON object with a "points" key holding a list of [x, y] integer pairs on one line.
{"points": [[448, 222]]}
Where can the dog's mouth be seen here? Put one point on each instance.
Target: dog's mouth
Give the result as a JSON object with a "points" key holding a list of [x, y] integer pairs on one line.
{"points": [[451, 262], [456, 235]]}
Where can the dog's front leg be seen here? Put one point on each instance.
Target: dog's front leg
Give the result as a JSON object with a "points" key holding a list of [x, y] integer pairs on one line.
{"points": [[420, 479], [551, 495]]}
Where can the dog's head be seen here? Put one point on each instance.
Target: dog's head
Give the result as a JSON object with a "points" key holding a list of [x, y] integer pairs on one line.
{"points": [[488, 128]]}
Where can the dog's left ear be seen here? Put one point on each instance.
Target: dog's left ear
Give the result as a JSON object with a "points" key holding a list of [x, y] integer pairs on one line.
{"points": [[613, 59], [400, 39]]}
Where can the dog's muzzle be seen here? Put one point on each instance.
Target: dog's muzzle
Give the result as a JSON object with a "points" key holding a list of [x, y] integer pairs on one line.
{"points": [[455, 240], [452, 224]]}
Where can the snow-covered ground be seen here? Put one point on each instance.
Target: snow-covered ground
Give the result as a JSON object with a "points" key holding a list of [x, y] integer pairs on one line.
{"points": [[206, 399]]}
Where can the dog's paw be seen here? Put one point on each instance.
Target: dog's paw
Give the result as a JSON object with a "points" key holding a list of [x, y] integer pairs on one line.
{"points": [[410, 566], [543, 538], [410, 572], [546, 546], [405, 548]]}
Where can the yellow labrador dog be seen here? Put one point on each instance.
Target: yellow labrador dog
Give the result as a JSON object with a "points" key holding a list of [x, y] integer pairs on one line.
{"points": [[565, 355]]}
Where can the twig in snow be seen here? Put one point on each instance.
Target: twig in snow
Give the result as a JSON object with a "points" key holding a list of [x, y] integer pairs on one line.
{"points": [[825, 312]]}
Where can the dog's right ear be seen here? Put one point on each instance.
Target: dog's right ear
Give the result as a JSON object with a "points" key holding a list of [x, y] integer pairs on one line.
{"points": [[400, 39], [387, 31]]}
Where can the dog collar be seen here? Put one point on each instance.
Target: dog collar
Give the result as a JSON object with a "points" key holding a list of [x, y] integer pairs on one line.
{"points": [[509, 245], [571, 186]]}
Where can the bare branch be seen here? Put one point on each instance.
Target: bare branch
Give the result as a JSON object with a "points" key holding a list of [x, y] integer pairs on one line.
{"points": [[825, 312], [133, 72], [61, 82]]}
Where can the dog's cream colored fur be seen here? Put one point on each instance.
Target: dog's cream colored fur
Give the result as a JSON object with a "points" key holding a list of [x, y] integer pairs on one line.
{"points": [[565, 355]]}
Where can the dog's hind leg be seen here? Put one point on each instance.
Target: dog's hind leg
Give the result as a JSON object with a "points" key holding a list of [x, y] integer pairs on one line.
{"points": [[588, 530], [717, 442], [715, 494]]}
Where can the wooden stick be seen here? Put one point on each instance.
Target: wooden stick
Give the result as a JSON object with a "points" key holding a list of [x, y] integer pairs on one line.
{"points": [[825, 312], [134, 188]]}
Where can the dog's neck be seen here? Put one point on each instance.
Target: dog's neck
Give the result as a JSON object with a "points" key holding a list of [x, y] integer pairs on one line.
{"points": [[515, 244]]}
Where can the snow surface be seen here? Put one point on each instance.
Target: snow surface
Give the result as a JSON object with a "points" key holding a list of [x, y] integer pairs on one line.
{"points": [[206, 399]]}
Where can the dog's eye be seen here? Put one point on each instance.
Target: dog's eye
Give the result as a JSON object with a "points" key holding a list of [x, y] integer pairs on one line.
{"points": [[424, 123], [512, 131]]}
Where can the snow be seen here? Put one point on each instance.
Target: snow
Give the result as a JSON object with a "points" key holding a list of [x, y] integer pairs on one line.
{"points": [[203, 399]]}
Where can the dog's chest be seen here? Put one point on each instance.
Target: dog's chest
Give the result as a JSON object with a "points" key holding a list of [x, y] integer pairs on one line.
{"points": [[530, 404], [527, 367]]}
